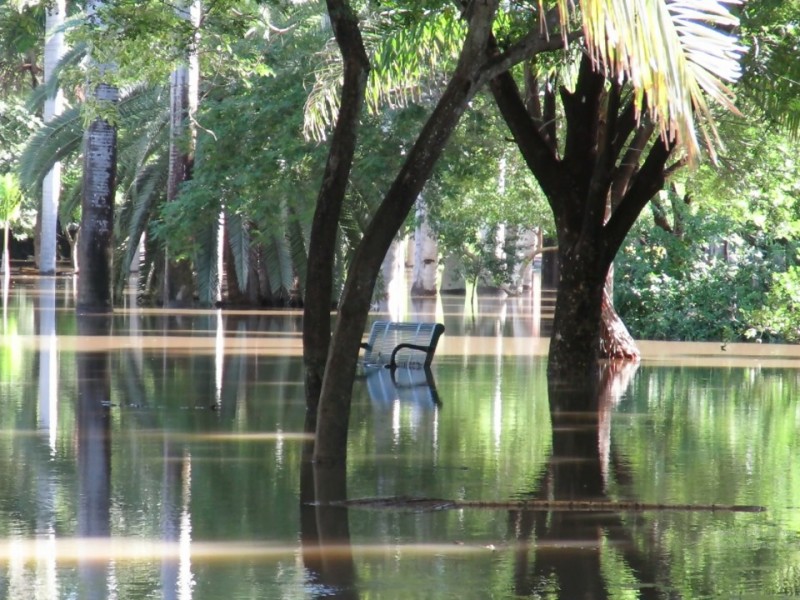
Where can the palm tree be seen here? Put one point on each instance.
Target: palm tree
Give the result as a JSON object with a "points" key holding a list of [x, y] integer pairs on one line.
{"points": [[95, 247], [53, 106]]}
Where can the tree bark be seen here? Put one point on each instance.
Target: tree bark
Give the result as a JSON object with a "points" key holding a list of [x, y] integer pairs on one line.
{"points": [[53, 106], [325, 224], [97, 212]]}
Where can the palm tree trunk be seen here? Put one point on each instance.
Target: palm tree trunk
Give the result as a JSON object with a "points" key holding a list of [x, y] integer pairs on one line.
{"points": [[97, 203], [178, 280], [53, 105], [97, 212]]}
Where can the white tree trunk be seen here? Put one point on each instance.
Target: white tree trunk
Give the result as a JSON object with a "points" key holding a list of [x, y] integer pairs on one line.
{"points": [[392, 270], [51, 186], [426, 255], [453, 276]]}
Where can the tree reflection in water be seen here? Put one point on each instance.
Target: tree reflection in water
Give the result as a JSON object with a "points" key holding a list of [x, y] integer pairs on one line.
{"points": [[569, 544], [93, 421], [325, 530]]}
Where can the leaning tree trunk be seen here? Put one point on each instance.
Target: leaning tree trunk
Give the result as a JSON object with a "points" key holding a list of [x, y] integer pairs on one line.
{"points": [[325, 224]]}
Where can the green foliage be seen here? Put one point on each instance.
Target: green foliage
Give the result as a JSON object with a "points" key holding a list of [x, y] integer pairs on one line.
{"points": [[481, 184], [10, 198], [727, 270]]}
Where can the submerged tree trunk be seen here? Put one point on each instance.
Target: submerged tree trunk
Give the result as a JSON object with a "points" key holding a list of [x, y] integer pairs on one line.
{"points": [[325, 224], [574, 346]]}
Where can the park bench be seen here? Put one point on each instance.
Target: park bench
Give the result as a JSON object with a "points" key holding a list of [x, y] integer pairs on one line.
{"points": [[392, 344]]}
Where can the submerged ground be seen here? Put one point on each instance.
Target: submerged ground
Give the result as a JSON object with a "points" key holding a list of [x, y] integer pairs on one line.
{"points": [[158, 455]]}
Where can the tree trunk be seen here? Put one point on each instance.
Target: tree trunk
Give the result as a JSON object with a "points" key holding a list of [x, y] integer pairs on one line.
{"points": [[574, 349], [53, 105], [97, 212], [95, 245], [334, 402], [325, 224], [597, 182], [184, 81], [426, 255]]}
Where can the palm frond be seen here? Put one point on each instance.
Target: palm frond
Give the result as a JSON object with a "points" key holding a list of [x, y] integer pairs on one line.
{"points": [[675, 53], [297, 239], [71, 58], [51, 143], [140, 202], [205, 263], [406, 62], [239, 244], [278, 263]]}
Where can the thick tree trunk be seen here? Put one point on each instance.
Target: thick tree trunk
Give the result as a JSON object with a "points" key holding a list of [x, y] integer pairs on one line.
{"points": [[97, 213], [597, 182], [574, 349]]}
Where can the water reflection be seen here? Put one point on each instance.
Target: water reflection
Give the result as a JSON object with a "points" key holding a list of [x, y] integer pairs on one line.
{"points": [[577, 470], [159, 455], [93, 437]]}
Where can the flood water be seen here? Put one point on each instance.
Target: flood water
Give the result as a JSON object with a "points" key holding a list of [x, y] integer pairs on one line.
{"points": [[158, 454]]}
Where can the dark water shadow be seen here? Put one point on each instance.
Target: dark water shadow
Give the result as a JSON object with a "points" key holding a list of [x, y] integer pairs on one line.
{"points": [[93, 422], [569, 544], [325, 530]]}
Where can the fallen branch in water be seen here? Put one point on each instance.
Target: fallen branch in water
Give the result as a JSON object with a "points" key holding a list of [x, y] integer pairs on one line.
{"points": [[423, 504]]}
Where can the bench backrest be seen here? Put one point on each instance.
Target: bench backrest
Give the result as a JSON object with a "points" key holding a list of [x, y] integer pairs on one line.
{"points": [[386, 336]]}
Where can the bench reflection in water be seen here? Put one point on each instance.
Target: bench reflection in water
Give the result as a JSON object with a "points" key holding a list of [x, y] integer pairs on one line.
{"points": [[416, 386]]}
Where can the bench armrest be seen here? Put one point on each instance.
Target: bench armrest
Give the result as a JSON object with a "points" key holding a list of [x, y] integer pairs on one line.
{"points": [[393, 362]]}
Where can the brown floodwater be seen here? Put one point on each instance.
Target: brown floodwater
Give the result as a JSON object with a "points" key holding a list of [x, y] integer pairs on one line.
{"points": [[160, 454]]}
